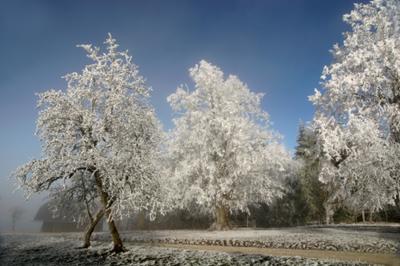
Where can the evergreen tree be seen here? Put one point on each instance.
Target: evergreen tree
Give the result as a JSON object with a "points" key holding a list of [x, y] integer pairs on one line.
{"points": [[313, 191]]}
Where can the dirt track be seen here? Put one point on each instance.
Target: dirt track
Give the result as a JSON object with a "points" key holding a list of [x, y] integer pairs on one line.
{"points": [[61, 249], [385, 259]]}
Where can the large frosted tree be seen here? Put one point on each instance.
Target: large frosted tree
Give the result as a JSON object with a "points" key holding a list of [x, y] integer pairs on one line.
{"points": [[358, 111], [223, 155], [102, 129]]}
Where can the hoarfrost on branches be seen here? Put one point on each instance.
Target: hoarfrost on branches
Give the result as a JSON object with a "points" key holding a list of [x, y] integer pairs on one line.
{"points": [[223, 154], [100, 128], [358, 111]]}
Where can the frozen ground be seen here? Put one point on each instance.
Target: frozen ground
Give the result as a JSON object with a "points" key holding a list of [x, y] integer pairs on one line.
{"points": [[354, 238], [61, 249]]}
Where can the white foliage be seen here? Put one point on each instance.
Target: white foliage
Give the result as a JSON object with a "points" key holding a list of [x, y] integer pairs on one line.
{"points": [[358, 111], [222, 151], [102, 123]]}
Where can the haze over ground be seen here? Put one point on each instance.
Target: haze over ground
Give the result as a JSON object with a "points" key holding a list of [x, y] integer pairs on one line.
{"points": [[277, 47]]}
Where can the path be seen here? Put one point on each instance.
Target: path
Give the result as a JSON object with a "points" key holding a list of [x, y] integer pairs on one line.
{"points": [[373, 258]]}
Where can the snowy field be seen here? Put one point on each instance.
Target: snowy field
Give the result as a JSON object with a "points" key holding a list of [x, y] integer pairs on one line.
{"points": [[145, 248], [358, 238]]}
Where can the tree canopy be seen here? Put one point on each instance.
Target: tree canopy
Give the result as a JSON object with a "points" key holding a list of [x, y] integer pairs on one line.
{"points": [[223, 154], [358, 111], [100, 128]]}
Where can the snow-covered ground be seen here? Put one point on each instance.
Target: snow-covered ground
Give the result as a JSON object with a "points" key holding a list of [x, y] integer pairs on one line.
{"points": [[358, 238], [61, 249], [45, 249]]}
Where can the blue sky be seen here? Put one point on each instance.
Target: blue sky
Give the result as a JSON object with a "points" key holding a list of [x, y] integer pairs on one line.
{"points": [[278, 47]]}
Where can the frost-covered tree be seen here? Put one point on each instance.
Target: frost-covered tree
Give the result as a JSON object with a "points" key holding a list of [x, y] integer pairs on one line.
{"points": [[358, 111], [102, 129], [360, 162], [223, 154]]}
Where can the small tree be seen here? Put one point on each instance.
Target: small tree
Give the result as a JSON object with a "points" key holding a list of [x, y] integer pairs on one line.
{"points": [[16, 214], [101, 129], [307, 154], [223, 155]]}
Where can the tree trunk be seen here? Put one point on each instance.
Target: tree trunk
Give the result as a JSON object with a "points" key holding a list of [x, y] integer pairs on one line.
{"points": [[141, 221], [222, 219], [91, 227], [363, 216], [117, 242], [386, 215], [371, 214], [13, 226], [327, 218], [328, 213], [118, 246]]}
